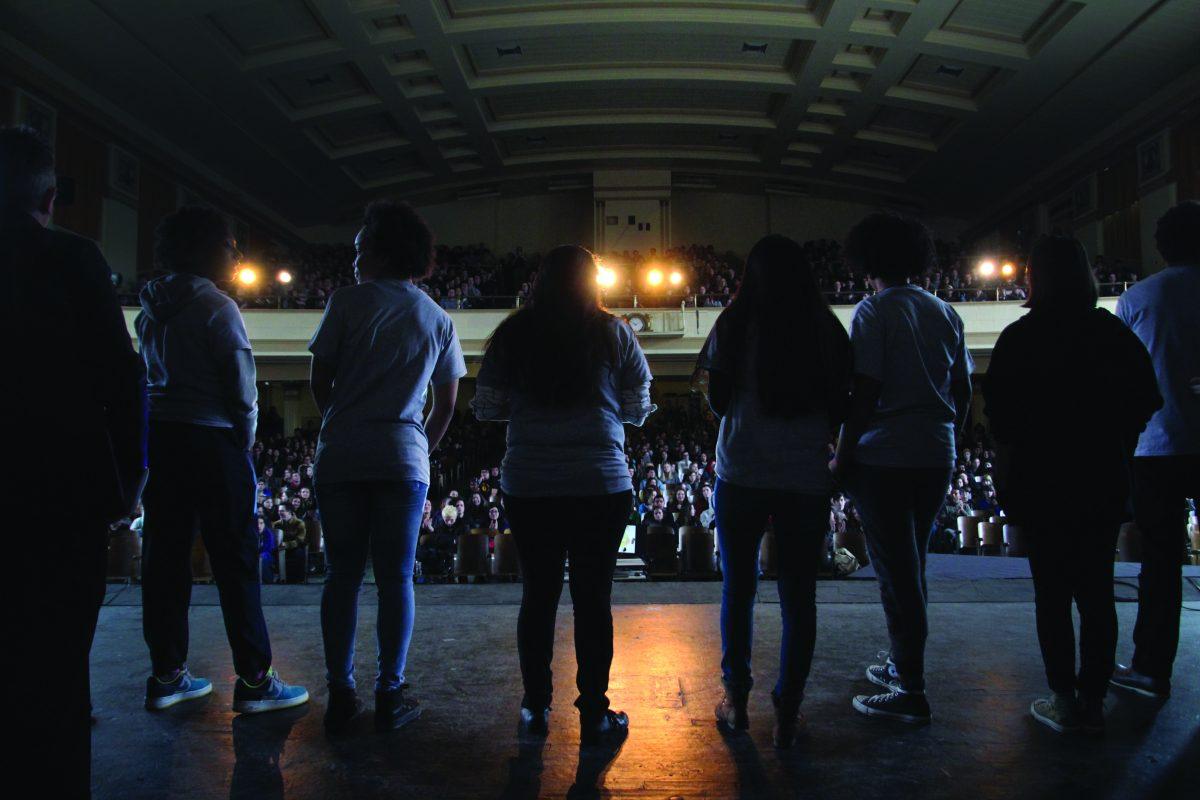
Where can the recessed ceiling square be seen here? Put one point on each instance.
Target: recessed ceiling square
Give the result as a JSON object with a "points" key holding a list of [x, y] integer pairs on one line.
{"points": [[344, 132], [261, 27], [320, 85]]}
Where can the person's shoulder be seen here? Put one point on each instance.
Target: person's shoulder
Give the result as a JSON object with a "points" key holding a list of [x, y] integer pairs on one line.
{"points": [[75, 252]]}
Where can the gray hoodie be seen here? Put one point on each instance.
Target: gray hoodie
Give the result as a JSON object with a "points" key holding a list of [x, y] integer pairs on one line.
{"points": [[198, 362]]}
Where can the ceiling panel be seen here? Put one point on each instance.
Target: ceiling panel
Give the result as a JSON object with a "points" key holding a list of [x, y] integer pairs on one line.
{"points": [[259, 27], [949, 76], [1010, 20], [316, 86], [524, 105], [462, 8]]}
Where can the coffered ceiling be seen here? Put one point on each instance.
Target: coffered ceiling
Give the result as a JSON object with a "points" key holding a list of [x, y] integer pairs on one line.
{"points": [[312, 106]]}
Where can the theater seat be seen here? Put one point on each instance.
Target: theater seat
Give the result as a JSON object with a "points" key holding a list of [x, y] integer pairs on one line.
{"points": [[1015, 541], [504, 556], [968, 535], [124, 555], [201, 566], [472, 557], [992, 538], [1129, 543], [657, 547], [768, 560], [698, 550]]}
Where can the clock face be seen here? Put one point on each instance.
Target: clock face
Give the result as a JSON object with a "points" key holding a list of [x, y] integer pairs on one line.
{"points": [[637, 322]]}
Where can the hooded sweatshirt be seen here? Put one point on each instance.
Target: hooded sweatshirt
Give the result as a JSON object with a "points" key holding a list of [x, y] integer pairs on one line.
{"points": [[198, 362]]}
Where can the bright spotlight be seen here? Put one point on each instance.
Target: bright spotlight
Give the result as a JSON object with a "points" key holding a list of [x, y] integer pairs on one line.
{"points": [[606, 277], [1007, 269], [284, 276], [676, 278], [247, 276], [987, 268], [654, 277]]}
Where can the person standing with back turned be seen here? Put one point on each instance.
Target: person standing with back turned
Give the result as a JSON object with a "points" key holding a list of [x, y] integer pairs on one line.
{"points": [[1068, 376], [75, 386], [203, 414], [912, 388], [567, 375], [1162, 310], [778, 362], [382, 344]]}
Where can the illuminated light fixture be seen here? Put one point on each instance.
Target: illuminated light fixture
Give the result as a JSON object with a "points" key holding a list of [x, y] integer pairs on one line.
{"points": [[654, 277], [1007, 269], [247, 276], [606, 277], [284, 276], [987, 268], [676, 278]]}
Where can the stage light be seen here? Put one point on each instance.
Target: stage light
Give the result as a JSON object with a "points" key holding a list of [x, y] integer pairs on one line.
{"points": [[284, 276], [1007, 269], [676, 278], [654, 277], [606, 277], [247, 276], [987, 268]]}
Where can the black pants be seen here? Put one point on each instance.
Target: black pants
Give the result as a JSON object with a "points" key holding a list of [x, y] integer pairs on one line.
{"points": [[1160, 485], [1071, 558], [51, 605], [199, 477], [548, 531], [898, 507]]}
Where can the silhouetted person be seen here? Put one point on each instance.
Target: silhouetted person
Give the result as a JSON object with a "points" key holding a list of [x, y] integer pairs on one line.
{"points": [[203, 411], [76, 387], [912, 389], [1163, 311], [381, 346], [568, 375], [778, 364], [1069, 376]]}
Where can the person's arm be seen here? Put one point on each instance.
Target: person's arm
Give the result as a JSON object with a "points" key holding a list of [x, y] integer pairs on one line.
{"points": [[122, 385], [635, 381], [320, 382], [867, 341], [301, 533], [711, 378], [960, 379], [491, 402], [440, 414], [231, 347]]}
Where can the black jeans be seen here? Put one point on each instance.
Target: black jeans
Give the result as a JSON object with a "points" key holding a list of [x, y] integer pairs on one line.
{"points": [[800, 523], [1160, 484], [898, 506], [199, 477], [548, 531], [51, 604], [1071, 558]]}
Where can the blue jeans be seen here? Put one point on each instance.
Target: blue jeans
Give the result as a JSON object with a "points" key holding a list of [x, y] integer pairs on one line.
{"points": [[801, 522], [381, 519], [898, 506]]}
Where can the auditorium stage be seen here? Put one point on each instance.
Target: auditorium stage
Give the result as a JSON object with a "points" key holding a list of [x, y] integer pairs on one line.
{"points": [[984, 670]]}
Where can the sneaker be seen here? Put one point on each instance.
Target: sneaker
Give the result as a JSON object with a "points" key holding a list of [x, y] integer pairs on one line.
{"points": [[394, 709], [903, 706], [185, 686], [534, 724], [1131, 680], [789, 722], [608, 731], [343, 707], [885, 676], [1091, 716], [1058, 712], [732, 715], [270, 694]]}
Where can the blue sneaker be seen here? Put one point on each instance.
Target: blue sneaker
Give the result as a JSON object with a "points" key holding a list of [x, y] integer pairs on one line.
{"points": [[164, 694], [271, 694]]}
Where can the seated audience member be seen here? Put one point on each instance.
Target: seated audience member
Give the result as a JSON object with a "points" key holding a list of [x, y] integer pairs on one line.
{"points": [[1069, 374], [681, 510], [1162, 311], [476, 511], [495, 522], [267, 550], [293, 541]]}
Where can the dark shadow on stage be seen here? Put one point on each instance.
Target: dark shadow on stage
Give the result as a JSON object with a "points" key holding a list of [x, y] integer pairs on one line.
{"points": [[258, 741]]}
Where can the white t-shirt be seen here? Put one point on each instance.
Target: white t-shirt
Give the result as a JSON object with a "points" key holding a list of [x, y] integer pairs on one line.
{"points": [[915, 345], [387, 341]]}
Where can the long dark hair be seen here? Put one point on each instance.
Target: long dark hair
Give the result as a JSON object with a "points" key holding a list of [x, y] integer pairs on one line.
{"points": [[1060, 276], [801, 356], [554, 347]]}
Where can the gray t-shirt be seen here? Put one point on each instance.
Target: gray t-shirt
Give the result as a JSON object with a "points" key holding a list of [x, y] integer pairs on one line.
{"points": [[387, 341], [761, 451], [914, 344], [1162, 310], [578, 451]]}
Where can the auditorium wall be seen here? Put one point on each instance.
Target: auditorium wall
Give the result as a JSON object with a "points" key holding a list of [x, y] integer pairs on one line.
{"points": [[534, 223]]}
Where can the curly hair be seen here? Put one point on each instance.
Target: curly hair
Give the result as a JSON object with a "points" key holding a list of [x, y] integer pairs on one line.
{"points": [[891, 247], [185, 241], [397, 234], [26, 167]]}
